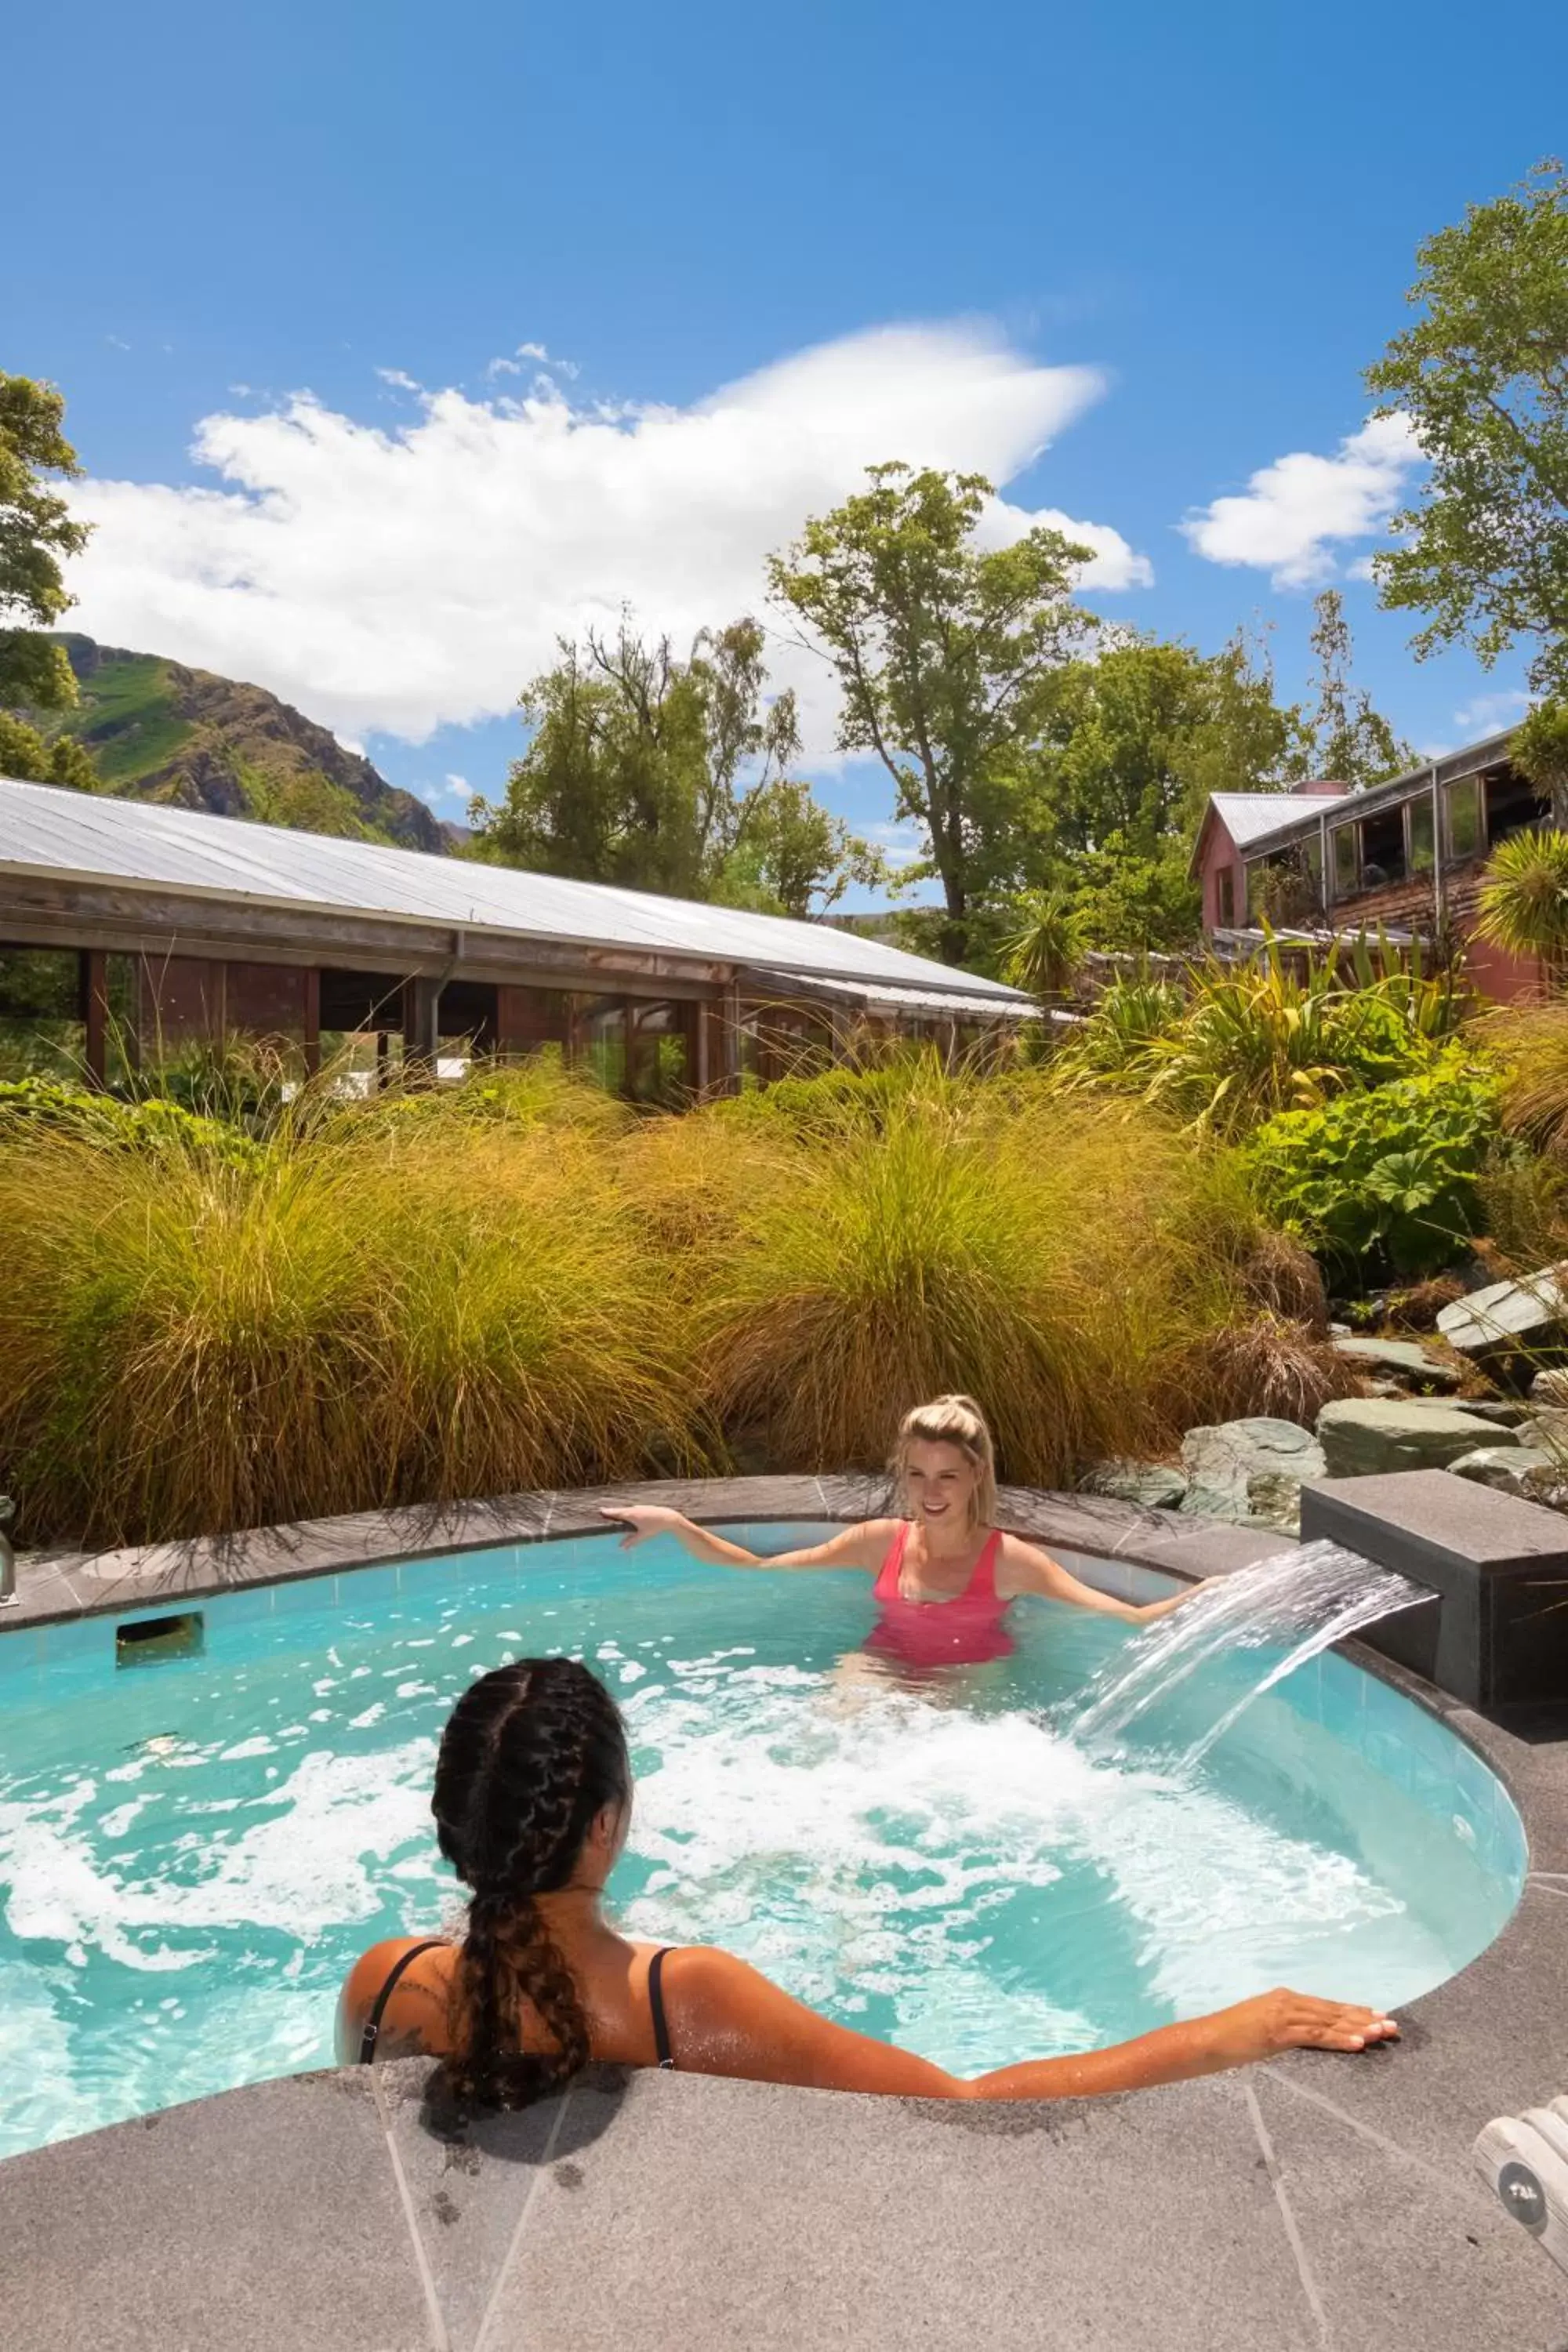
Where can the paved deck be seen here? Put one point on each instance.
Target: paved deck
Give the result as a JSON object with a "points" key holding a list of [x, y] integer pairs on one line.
{"points": [[1314, 2202]]}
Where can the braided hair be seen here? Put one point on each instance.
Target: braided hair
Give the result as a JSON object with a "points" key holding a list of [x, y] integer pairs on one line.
{"points": [[532, 1754]]}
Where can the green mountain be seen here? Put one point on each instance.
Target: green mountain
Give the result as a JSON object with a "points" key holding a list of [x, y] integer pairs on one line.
{"points": [[158, 731]]}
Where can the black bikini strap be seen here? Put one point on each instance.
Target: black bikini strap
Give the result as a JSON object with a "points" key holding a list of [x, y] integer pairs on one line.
{"points": [[656, 2002], [367, 2040]]}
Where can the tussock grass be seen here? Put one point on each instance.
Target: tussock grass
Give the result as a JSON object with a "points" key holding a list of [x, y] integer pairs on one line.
{"points": [[194, 1346], [518, 1285]]}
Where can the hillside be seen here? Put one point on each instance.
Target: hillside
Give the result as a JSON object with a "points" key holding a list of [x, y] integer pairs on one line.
{"points": [[158, 731]]}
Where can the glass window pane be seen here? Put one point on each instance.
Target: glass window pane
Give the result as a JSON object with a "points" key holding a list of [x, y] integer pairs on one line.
{"points": [[42, 1033], [1312, 850], [1347, 873], [1422, 844], [1463, 802]]}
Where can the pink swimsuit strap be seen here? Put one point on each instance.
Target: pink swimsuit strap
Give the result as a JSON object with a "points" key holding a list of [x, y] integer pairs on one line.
{"points": [[980, 1590]]}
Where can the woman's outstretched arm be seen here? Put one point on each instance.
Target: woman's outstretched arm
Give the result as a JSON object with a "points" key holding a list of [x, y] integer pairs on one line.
{"points": [[1024, 1567], [860, 1547], [726, 2019]]}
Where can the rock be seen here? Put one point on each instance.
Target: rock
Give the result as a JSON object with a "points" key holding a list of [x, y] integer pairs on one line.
{"points": [[1548, 1432], [1519, 1470], [1250, 1472], [1152, 1485], [1501, 1412], [1404, 1359], [1362, 1436], [1339, 1330], [1508, 1318], [1550, 1388]]}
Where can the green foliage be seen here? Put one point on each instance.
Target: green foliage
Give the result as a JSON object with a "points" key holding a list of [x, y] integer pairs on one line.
{"points": [[1345, 738], [1131, 905], [1386, 1178], [1481, 376], [661, 774], [1240, 1041], [36, 530], [308, 802], [32, 759], [1539, 750], [1523, 902], [790, 857], [1046, 950], [32, 1106], [943, 653], [1134, 740]]}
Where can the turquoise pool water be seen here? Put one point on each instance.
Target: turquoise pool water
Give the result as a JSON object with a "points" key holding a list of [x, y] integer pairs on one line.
{"points": [[192, 1851]]}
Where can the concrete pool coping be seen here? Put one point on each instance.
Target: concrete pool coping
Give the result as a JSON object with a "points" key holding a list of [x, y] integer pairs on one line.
{"points": [[1314, 2202]]}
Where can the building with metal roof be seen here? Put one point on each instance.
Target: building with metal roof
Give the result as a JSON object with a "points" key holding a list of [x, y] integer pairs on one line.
{"points": [[171, 924], [1405, 858]]}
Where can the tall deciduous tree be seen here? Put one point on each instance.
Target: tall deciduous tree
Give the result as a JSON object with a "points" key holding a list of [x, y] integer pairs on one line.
{"points": [[1134, 740], [942, 650], [664, 774], [1482, 377], [1346, 739], [36, 531]]}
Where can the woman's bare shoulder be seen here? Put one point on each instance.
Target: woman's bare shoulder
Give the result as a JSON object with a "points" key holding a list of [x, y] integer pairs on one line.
{"points": [[421, 1988]]}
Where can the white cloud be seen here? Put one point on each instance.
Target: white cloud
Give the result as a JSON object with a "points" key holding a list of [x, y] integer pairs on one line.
{"points": [[399, 381], [1290, 513], [399, 579], [1489, 714]]}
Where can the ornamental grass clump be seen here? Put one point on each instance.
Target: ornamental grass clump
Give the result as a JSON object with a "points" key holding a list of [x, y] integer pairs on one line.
{"points": [[194, 1345], [1034, 1256]]}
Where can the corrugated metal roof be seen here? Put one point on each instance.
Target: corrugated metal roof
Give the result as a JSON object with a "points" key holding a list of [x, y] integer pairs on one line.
{"points": [[882, 997], [46, 830], [1252, 816]]}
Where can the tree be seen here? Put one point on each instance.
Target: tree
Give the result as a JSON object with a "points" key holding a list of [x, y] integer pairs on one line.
{"points": [[943, 652], [1046, 950], [661, 774], [32, 759], [1133, 905], [791, 856], [1346, 739], [1539, 750], [1135, 740], [36, 530], [1482, 379], [1523, 904]]}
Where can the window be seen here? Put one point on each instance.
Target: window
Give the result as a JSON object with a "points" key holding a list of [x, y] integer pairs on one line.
{"points": [[1313, 851], [1513, 804], [1423, 842], [1462, 818], [1347, 862], [1383, 848], [1226, 899]]}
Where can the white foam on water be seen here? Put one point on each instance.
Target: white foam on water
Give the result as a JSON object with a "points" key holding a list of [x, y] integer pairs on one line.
{"points": [[862, 1854], [306, 1868]]}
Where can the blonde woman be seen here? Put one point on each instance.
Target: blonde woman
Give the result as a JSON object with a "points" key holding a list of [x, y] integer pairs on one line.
{"points": [[945, 1572]]}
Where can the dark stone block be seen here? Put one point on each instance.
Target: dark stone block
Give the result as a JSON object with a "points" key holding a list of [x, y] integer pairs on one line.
{"points": [[1498, 1637]]}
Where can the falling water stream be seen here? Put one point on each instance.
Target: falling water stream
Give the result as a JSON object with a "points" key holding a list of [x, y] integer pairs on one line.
{"points": [[1288, 1608]]}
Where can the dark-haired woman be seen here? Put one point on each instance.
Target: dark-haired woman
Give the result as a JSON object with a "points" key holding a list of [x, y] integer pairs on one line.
{"points": [[532, 1804]]}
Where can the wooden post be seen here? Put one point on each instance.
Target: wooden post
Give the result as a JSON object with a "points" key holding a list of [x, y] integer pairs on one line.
{"points": [[732, 1039], [313, 1020], [699, 1058], [421, 1025], [95, 1014]]}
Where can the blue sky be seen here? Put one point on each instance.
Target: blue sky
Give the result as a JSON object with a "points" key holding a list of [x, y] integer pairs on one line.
{"points": [[1155, 247]]}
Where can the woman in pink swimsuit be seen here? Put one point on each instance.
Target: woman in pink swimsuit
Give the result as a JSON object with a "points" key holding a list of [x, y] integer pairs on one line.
{"points": [[945, 1573]]}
